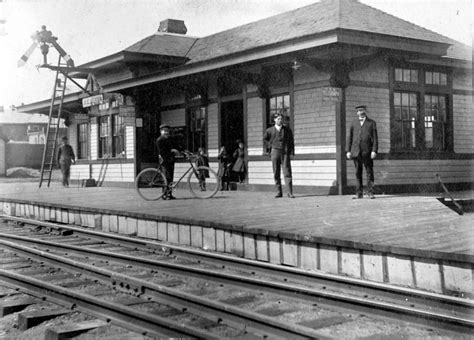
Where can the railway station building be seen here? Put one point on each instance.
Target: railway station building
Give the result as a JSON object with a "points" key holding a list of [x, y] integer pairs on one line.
{"points": [[314, 64]]}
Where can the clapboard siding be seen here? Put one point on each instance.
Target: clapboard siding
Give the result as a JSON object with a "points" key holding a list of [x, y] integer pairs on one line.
{"points": [[462, 79], [389, 172], [94, 145], [314, 119], [376, 71], [122, 172], [130, 142], [3, 165], [463, 121], [255, 126], [72, 136], [212, 130], [310, 172], [378, 108], [79, 171]]}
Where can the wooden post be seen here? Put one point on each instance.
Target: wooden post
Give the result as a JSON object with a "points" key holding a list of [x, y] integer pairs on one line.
{"points": [[340, 143]]}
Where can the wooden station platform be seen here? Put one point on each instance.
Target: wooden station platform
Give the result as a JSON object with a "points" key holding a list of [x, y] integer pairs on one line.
{"points": [[408, 240]]}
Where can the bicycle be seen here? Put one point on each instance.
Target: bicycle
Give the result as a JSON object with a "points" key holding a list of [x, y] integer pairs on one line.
{"points": [[151, 183]]}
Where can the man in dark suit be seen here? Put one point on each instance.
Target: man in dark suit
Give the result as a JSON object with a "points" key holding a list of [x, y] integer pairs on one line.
{"points": [[166, 153], [65, 158], [281, 146], [362, 147]]}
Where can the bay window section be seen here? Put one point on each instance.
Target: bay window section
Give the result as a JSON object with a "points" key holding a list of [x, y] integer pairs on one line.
{"points": [[421, 116]]}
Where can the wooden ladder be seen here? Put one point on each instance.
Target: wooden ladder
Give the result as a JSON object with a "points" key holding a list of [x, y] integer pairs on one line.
{"points": [[52, 131]]}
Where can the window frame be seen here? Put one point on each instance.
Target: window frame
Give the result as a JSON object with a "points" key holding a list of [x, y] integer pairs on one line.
{"points": [[82, 143], [269, 112], [421, 89], [104, 137], [192, 131], [118, 136]]}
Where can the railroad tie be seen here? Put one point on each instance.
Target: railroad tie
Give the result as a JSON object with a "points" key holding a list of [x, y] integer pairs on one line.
{"points": [[27, 320]]}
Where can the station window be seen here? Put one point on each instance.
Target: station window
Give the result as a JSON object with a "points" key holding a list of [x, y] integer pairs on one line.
{"points": [[104, 137], [435, 122], [278, 104], [406, 75], [406, 119], [435, 78], [82, 140], [420, 118], [118, 136], [197, 128]]}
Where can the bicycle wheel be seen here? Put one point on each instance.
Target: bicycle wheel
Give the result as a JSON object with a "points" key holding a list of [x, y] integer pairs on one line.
{"points": [[151, 184], [206, 188]]}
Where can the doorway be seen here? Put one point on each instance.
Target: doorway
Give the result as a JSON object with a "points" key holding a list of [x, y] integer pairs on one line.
{"points": [[232, 124]]}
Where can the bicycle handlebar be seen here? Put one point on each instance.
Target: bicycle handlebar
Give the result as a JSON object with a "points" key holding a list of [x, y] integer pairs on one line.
{"points": [[188, 155]]}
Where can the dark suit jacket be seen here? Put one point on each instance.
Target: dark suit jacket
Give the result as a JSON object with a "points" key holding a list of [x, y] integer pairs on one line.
{"points": [[362, 139], [288, 140], [65, 154]]}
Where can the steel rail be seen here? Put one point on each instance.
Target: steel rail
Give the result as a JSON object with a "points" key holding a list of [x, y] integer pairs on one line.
{"points": [[405, 295], [236, 317], [117, 314], [460, 323]]}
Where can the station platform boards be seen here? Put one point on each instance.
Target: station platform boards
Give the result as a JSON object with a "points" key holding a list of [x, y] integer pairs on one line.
{"points": [[407, 240]]}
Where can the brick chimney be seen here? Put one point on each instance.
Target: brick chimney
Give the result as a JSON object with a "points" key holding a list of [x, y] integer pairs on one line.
{"points": [[172, 26]]}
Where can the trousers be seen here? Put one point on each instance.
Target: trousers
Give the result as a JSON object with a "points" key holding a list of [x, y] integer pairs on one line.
{"points": [[281, 160]]}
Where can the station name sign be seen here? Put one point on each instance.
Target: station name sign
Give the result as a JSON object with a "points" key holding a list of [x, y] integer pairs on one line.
{"points": [[332, 94], [93, 100]]}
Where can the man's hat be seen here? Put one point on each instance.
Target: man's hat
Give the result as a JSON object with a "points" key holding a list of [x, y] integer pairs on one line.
{"points": [[64, 138], [361, 107], [165, 126]]}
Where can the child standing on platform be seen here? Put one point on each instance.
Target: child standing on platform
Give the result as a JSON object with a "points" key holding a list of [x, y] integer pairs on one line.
{"points": [[223, 173], [239, 165], [202, 160]]}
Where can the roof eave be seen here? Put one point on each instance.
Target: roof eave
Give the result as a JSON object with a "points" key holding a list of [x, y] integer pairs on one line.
{"points": [[392, 42], [43, 106]]}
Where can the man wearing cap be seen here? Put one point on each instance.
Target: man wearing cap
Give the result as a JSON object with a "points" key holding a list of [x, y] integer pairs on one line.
{"points": [[65, 158], [281, 146], [362, 147], [166, 154]]}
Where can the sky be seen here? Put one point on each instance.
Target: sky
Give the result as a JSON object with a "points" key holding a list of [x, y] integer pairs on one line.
{"points": [[91, 29]]}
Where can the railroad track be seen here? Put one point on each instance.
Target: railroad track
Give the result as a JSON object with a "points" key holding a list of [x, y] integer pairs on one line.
{"points": [[222, 296]]}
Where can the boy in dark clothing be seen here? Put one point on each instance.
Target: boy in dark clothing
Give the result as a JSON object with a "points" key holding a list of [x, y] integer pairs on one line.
{"points": [[202, 160], [225, 163], [65, 158]]}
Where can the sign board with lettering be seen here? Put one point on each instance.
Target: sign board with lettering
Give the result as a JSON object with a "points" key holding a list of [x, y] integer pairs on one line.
{"points": [[126, 111], [80, 118], [332, 94], [92, 100]]}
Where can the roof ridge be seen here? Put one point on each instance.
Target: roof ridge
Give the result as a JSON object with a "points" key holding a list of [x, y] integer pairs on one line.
{"points": [[263, 19], [398, 18]]}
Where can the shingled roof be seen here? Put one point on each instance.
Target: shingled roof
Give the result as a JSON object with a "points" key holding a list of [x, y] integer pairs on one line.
{"points": [[310, 20], [165, 44]]}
